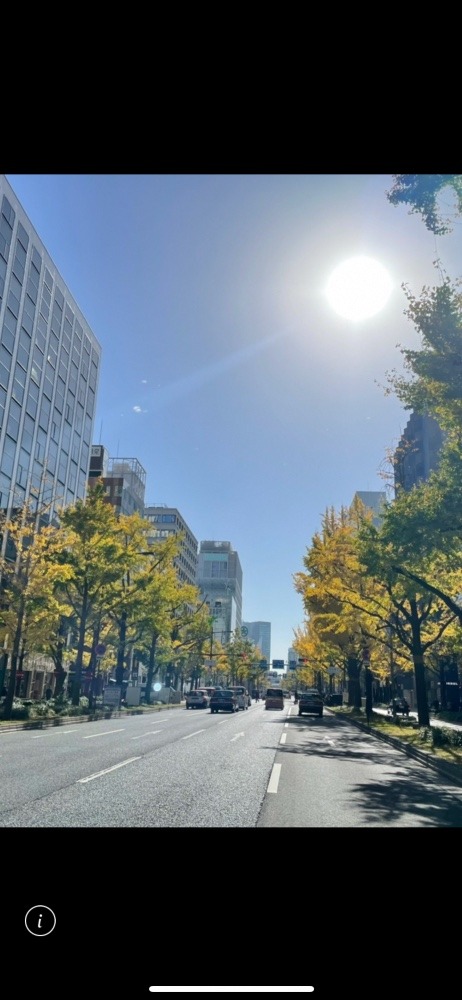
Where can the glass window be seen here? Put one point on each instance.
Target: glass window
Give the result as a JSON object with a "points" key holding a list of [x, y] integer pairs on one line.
{"points": [[14, 417], [2, 275], [22, 357], [32, 286], [31, 404], [8, 339], [27, 322], [8, 211], [44, 417]]}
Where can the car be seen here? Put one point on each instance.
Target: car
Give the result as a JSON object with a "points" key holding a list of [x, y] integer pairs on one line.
{"points": [[334, 699], [197, 699], [223, 700], [398, 706], [274, 698], [242, 695], [310, 703]]}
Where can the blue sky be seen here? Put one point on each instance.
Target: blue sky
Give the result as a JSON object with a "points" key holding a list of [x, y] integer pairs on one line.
{"points": [[249, 402]]}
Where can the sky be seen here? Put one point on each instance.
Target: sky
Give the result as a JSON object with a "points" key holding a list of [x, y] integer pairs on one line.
{"points": [[250, 402]]}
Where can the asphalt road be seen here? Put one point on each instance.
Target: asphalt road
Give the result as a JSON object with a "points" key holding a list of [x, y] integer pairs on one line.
{"points": [[253, 769]]}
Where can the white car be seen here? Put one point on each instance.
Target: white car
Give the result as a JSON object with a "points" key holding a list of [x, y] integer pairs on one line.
{"points": [[242, 695]]}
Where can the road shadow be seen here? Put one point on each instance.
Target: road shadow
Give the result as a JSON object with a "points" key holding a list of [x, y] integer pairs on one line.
{"points": [[403, 787]]}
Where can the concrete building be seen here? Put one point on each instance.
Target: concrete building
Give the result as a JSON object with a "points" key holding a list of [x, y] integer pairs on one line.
{"points": [[123, 478], [260, 634], [49, 372], [418, 451], [166, 521], [219, 578]]}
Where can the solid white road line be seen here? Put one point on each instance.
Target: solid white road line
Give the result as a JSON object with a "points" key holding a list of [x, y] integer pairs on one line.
{"points": [[81, 781], [107, 733], [62, 732], [150, 733], [274, 779]]}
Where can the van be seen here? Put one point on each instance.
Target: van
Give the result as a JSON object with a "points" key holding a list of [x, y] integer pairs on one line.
{"points": [[274, 698], [242, 695]]}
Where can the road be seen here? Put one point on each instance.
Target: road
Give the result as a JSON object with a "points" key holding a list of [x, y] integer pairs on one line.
{"points": [[254, 769]]}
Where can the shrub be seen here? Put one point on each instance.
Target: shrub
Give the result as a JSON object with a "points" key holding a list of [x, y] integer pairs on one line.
{"points": [[20, 713]]}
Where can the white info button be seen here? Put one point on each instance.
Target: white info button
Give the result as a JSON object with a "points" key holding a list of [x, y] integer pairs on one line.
{"points": [[231, 989]]}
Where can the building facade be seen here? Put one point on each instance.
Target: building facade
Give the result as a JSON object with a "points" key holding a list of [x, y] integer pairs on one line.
{"points": [[124, 480], [260, 634], [49, 372], [418, 451], [168, 521], [373, 500], [219, 578]]}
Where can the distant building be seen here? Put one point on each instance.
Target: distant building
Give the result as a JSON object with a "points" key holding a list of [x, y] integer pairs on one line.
{"points": [[292, 659], [123, 478], [373, 500], [418, 451], [260, 634], [219, 578], [168, 521]]}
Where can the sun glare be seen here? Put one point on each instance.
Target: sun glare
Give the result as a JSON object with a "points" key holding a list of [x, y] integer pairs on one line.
{"points": [[358, 288]]}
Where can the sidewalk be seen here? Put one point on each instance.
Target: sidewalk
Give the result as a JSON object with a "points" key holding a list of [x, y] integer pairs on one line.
{"points": [[433, 721]]}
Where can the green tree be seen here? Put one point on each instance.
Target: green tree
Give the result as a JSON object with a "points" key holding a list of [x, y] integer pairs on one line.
{"points": [[93, 560], [422, 192], [29, 615]]}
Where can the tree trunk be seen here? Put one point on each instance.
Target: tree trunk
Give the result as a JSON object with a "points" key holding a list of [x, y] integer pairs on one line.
{"points": [[354, 688], [419, 671], [120, 668], [151, 668]]}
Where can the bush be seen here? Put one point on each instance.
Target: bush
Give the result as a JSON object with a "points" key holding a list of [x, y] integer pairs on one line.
{"points": [[20, 713], [41, 710], [446, 737]]}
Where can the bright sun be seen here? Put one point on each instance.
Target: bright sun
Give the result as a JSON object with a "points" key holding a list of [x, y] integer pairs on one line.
{"points": [[359, 288]]}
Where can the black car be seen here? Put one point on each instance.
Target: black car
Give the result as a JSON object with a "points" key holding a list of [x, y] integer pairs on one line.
{"points": [[334, 699], [310, 703], [398, 706], [223, 700]]}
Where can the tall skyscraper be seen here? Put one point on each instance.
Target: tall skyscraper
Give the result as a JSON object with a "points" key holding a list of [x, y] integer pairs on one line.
{"points": [[219, 578], [260, 634], [49, 371]]}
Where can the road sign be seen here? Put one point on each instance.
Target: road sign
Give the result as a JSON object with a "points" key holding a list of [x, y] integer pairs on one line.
{"points": [[244, 630], [100, 649]]}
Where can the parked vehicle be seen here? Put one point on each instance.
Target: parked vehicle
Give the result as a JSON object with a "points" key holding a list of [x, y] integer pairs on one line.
{"points": [[197, 699], [310, 703], [398, 706], [333, 699], [242, 695], [223, 700], [274, 698]]}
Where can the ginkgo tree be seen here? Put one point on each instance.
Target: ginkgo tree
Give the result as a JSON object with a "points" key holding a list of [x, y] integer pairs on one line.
{"points": [[94, 558], [29, 611], [337, 596]]}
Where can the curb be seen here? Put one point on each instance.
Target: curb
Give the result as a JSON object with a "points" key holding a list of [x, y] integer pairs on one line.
{"points": [[451, 771], [70, 720]]}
